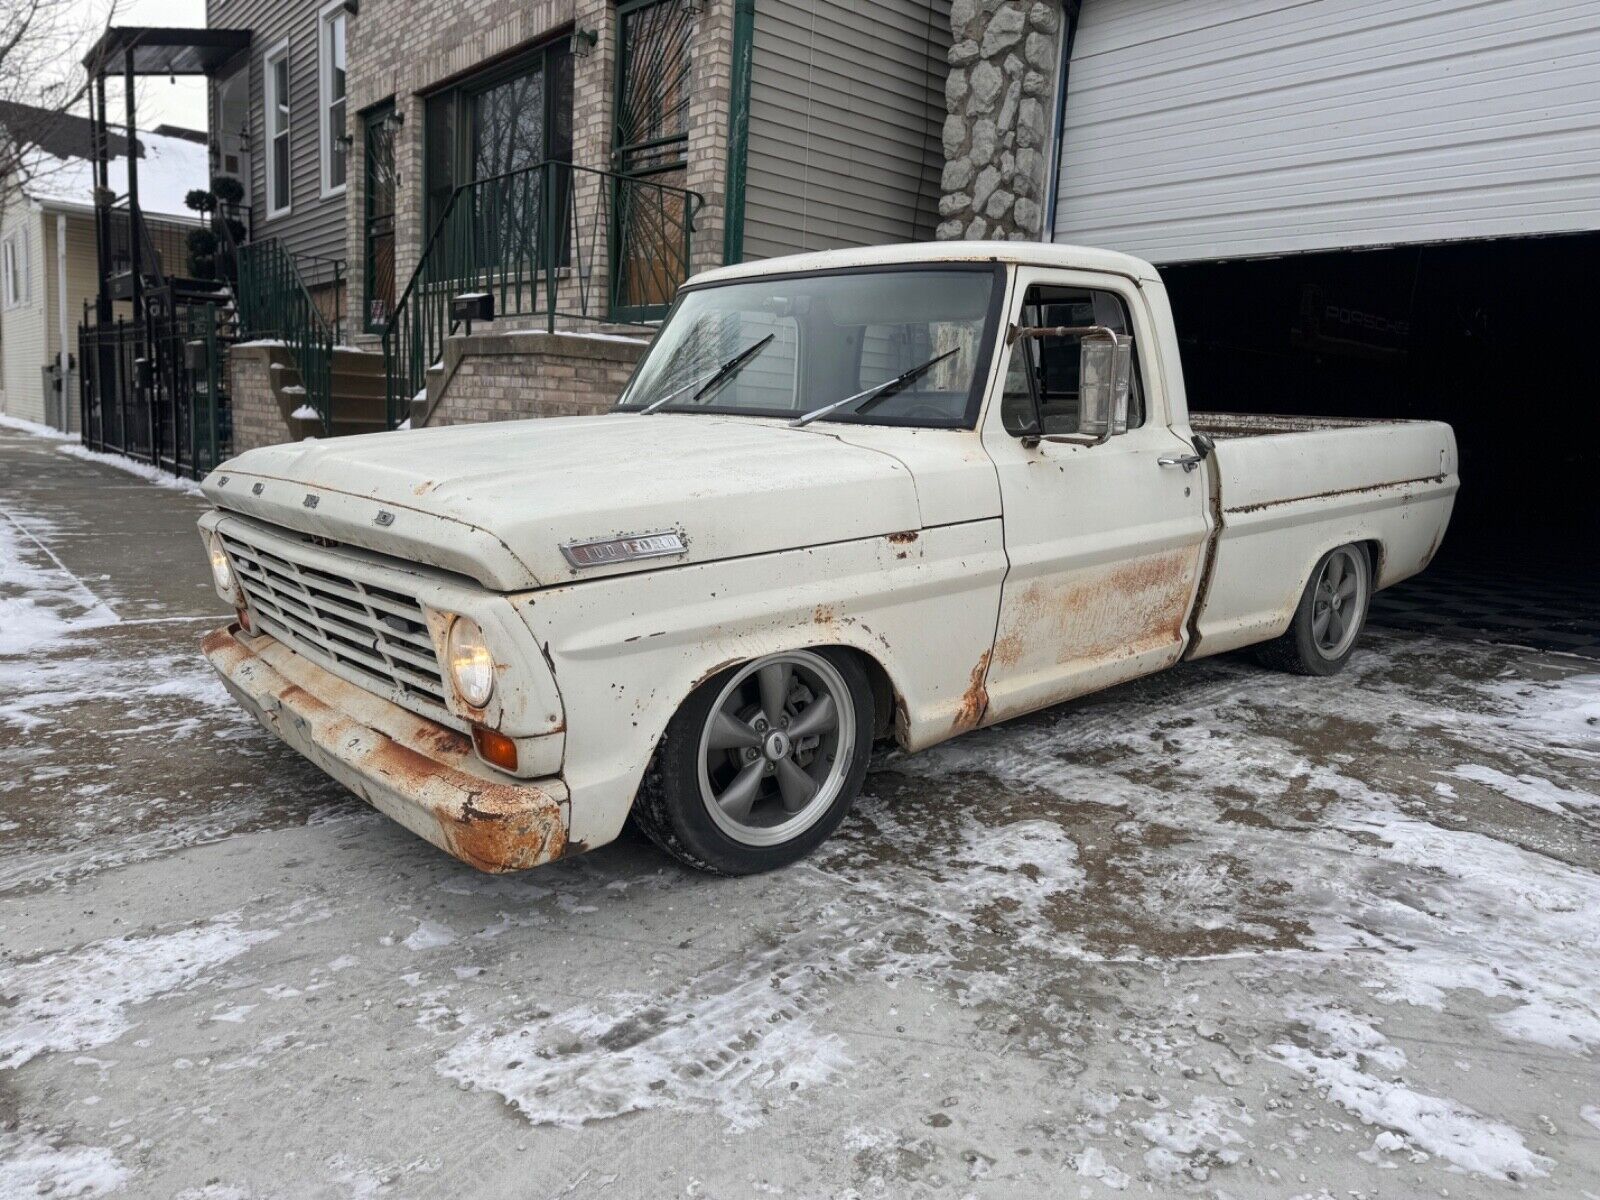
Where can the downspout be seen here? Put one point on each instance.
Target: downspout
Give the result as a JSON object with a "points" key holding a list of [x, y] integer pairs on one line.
{"points": [[744, 25], [1052, 177], [64, 353]]}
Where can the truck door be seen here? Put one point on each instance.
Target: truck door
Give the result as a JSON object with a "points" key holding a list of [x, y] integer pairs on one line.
{"points": [[1105, 542]]}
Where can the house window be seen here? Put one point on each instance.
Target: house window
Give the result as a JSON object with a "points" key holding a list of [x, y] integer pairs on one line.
{"points": [[650, 146], [15, 270], [505, 120], [276, 68], [331, 60]]}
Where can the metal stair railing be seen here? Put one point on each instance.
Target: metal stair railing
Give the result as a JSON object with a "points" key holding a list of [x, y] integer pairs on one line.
{"points": [[553, 240], [275, 303]]}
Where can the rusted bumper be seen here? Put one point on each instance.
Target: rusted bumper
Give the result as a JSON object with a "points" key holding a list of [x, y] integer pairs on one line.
{"points": [[418, 772]]}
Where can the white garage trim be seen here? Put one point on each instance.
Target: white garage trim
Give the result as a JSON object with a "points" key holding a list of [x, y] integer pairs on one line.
{"points": [[1250, 127]]}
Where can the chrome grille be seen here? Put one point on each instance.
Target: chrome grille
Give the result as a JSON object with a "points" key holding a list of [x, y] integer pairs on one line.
{"points": [[333, 618]]}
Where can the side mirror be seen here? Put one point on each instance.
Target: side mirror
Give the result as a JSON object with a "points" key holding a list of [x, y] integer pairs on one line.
{"points": [[1105, 380]]}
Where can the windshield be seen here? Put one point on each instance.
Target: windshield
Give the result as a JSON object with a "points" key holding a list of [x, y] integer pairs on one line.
{"points": [[800, 343]]}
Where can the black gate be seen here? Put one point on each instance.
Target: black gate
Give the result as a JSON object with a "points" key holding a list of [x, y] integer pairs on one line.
{"points": [[156, 391]]}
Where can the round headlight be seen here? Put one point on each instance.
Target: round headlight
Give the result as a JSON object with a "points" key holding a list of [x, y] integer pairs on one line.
{"points": [[222, 570], [471, 665]]}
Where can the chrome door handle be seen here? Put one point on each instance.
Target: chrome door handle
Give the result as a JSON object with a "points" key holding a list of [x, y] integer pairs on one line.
{"points": [[1187, 461]]}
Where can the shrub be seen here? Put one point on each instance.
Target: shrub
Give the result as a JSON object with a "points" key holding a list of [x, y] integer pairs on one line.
{"points": [[200, 200], [227, 189], [201, 241]]}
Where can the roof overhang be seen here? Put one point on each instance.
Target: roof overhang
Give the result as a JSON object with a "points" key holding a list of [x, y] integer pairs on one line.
{"points": [[165, 51]]}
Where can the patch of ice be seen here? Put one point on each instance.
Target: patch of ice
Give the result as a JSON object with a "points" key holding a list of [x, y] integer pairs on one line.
{"points": [[1346, 1047], [31, 1166], [734, 1042], [79, 999], [1591, 1114], [429, 935], [1529, 789], [1193, 1141], [1092, 1164]]}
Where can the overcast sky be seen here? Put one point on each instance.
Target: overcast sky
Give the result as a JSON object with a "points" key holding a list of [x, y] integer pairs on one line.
{"points": [[160, 102]]}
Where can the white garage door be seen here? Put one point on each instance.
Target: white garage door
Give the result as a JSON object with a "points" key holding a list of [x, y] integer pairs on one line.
{"points": [[1245, 127]]}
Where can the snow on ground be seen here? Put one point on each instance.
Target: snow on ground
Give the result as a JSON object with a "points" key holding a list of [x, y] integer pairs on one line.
{"points": [[44, 431], [32, 1166], [1219, 931], [40, 601], [81, 1000], [144, 470]]}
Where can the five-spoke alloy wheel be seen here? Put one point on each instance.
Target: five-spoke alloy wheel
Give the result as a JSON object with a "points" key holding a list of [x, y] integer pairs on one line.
{"points": [[1329, 618], [761, 763]]}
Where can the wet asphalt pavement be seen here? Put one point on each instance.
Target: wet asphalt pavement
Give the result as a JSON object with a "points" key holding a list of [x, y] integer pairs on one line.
{"points": [[1220, 932]]}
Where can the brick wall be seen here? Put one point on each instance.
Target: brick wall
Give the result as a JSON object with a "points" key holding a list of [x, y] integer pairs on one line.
{"points": [[258, 418], [509, 376], [402, 48]]}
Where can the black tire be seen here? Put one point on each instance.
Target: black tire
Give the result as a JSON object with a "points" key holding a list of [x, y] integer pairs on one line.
{"points": [[673, 807], [1303, 649]]}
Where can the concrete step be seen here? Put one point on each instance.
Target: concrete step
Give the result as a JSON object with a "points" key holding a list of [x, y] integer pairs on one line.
{"points": [[360, 408]]}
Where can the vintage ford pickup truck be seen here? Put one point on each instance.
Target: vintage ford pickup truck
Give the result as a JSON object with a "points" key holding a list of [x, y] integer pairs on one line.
{"points": [[900, 492]]}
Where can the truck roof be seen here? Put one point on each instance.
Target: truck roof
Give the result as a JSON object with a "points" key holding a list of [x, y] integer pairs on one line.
{"points": [[1032, 254]]}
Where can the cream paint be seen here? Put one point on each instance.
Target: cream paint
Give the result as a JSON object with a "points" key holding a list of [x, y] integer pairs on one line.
{"points": [[985, 578]]}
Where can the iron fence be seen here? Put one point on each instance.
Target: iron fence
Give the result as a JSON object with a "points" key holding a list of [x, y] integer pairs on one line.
{"points": [[552, 241], [155, 391], [275, 302]]}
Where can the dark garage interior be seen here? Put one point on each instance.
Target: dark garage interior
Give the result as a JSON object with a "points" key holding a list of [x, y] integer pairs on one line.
{"points": [[1499, 338]]}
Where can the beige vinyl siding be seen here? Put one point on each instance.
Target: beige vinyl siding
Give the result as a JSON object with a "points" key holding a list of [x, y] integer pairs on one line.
{"points": [[846, 109], [1253, 127], [30, 336], [22, 328], [313, 225]]}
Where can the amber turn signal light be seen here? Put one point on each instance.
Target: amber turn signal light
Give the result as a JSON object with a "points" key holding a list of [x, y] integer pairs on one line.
{"points": [[496, 749], [244, 620]]}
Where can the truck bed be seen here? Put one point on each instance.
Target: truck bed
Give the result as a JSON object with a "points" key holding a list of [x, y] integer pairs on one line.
{"points": [[1285, 490]]}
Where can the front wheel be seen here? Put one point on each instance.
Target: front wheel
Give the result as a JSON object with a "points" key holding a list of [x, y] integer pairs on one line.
{"points": [[1329, 617], [761, 763]]}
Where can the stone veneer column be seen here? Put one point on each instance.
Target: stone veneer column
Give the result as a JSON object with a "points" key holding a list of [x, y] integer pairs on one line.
{"points": [[1000, 96]]}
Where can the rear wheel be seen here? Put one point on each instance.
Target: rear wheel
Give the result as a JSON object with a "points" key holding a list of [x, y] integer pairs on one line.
{"points": [[1329, 618], [761, 763]]}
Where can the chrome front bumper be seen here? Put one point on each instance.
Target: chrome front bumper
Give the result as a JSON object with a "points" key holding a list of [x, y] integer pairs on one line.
{"points": [[415, 771]]}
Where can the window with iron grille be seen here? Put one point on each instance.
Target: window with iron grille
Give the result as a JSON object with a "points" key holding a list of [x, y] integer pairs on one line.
{"points": [[650, 147]]}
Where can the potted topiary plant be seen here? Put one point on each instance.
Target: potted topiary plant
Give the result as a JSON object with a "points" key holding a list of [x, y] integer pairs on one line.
{"points": [[228, 190], [202, 253]]}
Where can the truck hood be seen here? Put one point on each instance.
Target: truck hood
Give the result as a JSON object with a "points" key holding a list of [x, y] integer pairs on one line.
{"points": [[497, 501]]}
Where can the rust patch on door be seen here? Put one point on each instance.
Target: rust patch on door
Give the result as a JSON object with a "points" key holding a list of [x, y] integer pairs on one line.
{"points": [[1100, 614]]}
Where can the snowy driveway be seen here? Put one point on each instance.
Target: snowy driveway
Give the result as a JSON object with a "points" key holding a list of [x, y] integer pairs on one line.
{"points": [[1219, 932]]}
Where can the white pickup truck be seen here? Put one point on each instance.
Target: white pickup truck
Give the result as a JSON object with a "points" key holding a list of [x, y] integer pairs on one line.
{"points": [[901, 492]]}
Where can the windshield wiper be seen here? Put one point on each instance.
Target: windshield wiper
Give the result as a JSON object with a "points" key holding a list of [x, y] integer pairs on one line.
{"points": [[878, 391], [706, 383]]}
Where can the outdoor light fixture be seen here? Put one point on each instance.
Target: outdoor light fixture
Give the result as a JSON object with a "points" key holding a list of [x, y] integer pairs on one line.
{"points": [[584, 41]]}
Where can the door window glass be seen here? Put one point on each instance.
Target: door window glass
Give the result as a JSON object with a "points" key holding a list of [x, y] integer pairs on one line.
{"points": [[1052, 362]]}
